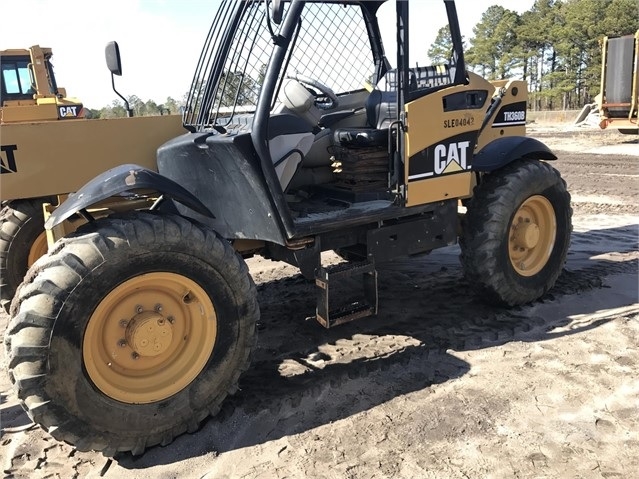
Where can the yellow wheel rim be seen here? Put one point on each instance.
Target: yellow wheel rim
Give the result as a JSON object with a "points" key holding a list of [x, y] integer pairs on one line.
{"points": [[149, 338], [38, 248], [532, 235]]}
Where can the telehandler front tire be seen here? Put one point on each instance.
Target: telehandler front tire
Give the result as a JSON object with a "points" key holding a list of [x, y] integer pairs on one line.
{"points": [[22, 241], [516, 233], [131, 332]]}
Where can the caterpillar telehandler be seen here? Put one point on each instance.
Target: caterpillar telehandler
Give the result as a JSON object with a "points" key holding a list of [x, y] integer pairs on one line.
{"points": [[138, 325], [50, 148]]}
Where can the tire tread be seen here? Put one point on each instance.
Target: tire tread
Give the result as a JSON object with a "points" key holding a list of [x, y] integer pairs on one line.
{"points": [[489, 209], [42, 295]]}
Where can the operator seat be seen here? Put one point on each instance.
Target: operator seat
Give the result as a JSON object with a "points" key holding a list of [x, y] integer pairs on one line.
{"points": [[381, 111]]}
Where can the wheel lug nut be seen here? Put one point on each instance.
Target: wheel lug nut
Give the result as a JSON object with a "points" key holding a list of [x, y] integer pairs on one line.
{"points": [[158, 308], [171, 319], [135, 355], [124, 323], [139, 309], [122, 343]]}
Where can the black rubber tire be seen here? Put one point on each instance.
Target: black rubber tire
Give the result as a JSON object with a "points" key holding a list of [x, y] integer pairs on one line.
{"points": [[629, 131], [21, 222], [60, 292], [486, 226]]}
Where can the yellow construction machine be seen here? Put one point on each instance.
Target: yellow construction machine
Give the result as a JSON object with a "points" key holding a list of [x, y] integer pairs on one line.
{"points": [[138, 325], [49, 148], [617, 103], [30, 91]]}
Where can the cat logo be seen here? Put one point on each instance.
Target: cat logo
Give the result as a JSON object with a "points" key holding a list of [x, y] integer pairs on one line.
{"points": [[450, 156], [8, 159], [69, 111]]}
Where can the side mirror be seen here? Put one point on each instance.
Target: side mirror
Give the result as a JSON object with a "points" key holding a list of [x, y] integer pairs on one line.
{"points": [[112, 55], [277, 11]]}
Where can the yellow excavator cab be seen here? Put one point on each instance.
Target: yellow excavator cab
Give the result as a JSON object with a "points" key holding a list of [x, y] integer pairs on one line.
{"points": [[29, 89]]}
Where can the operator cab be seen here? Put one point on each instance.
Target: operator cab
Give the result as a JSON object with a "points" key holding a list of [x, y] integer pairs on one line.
{"points": [[29, 88], [16, 79], [308, 115]]}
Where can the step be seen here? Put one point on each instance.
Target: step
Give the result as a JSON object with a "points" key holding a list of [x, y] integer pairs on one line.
{"points": [[329, 282]]}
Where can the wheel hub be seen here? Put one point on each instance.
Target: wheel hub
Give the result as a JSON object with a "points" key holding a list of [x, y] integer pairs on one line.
{"points": [[532, 235], [149, 337], [527, 235], [149, 334]]}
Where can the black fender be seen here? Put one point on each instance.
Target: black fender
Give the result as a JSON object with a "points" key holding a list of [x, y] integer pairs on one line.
{"points": [[505, 150], [118, 180]]}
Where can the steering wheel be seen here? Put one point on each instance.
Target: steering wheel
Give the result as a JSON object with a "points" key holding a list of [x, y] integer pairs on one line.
{"points": [[323, 89]]}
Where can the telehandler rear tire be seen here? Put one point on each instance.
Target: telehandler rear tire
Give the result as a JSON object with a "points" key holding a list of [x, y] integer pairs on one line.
{"points": [[131, 332], [516, 233], [22, 242]]}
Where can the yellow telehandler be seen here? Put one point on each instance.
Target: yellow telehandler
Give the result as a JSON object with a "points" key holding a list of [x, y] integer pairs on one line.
{"points": [[136, 327]]}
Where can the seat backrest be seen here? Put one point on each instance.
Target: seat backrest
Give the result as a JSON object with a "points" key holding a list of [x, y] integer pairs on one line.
{"points": [[289, 140], [381, 104], [381, 108]]}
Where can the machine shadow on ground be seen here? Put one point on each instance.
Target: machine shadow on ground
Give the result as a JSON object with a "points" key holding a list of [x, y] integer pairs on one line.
{"points": [[424, 314]]}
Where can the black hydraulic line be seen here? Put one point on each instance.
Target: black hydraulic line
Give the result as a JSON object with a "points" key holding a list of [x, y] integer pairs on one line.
{"points": [[492, 109]]}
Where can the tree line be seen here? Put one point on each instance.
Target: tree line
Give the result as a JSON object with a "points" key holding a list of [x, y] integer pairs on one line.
{"points": [[555, 46], [139, 107], [235, 89]]}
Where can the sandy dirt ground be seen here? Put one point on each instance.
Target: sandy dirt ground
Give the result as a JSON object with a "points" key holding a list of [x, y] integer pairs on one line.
{"points": [[437, 385]]}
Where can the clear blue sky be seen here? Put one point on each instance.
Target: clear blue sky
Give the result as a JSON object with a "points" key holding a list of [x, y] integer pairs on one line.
{"points": [[159, 40]]}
